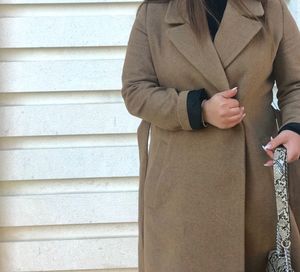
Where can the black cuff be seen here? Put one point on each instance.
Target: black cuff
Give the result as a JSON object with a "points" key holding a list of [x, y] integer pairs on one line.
{"points": [[194, 100], [291, 126]]}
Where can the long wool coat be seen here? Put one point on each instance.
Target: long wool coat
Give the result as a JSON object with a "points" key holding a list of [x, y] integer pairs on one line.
{"points": [[206, 202]]}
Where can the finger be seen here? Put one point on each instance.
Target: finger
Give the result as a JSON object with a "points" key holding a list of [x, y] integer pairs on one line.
{"points": [[291, 158], [291, 155], [270, 153], [235, 111], [229, 93], [236, 118], [269, 163], [295, 157], [233, 103], [278, 140]]}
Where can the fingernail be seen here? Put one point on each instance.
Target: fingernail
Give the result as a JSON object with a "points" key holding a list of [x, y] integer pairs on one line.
{"points": [[271, 138], [263, 147], [268, 163], [235, 89], [268, 146]]}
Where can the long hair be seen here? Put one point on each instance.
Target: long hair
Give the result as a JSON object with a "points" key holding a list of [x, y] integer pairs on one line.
{"points": [[196, 11]]}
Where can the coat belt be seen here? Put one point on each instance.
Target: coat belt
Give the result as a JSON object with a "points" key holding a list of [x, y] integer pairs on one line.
{"points": [[143, 137]]}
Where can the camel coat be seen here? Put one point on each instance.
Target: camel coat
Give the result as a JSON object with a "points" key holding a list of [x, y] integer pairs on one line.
{"points": [[206, 202]]}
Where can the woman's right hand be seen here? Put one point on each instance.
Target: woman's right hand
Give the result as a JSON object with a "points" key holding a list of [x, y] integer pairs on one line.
{"points": [[223, 111]]}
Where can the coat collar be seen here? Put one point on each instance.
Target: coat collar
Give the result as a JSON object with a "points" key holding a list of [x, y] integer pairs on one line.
{"points": [[174, 16], [212, 58]]}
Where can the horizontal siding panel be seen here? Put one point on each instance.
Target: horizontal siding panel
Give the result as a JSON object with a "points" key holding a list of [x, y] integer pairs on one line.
{"points": [[66, 1], [74, 141], [97, 270], [65, 31], [69, 163], [68, 232], [70, 254], [59, 98], [65, 186], [56, 120], [51, 54], [63, 209], [66, 10], [68, 75]]}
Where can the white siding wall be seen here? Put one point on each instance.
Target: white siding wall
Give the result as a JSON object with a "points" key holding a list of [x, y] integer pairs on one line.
{"points": [[295, 8], [68, 151]]}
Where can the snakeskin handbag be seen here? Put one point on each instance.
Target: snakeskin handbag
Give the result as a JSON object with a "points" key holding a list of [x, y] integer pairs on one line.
{"points": [[279, 259]]}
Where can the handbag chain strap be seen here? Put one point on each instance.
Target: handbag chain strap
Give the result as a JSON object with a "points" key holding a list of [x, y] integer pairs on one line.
{"points": [[283, 236]]}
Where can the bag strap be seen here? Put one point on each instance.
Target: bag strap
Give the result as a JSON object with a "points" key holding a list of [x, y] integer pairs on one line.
{"points": [[280, 168]]}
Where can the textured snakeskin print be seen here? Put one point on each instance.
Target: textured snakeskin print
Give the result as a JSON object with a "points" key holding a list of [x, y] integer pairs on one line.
{"points": [[279, 260]]}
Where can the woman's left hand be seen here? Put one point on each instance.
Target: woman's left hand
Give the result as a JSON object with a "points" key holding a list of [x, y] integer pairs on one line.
{"points": [[290, 140]]}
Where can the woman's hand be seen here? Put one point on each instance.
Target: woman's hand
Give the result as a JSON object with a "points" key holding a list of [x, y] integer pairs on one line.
{"points": [[290, 140], [223, 111]]}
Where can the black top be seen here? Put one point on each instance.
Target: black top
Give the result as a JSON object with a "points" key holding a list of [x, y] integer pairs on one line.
{"points": [[214, 16], [195, 97]]}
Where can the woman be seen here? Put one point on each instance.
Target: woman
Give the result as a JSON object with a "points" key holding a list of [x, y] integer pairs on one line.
{"points": [[204, 90]]}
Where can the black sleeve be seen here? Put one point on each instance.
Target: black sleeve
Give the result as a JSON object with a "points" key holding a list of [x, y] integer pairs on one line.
{"points": [[194, 100], [291, 126]]}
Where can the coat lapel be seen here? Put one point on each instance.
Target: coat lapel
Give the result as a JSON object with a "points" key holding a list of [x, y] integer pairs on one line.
{"points": [[211, 58], [237, 30], [202, 55]]}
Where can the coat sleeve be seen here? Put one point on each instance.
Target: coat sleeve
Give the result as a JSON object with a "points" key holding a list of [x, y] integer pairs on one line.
{"points": [[287, 69], [291, 126], [163, 106]]}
